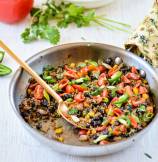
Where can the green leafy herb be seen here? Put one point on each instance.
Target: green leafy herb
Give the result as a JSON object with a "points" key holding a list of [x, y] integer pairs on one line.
{"points": [[46, 32], [64, 14], [92, 63], [1, 56], [113, 90], [4, 70], [81, 80], [72, 111]]}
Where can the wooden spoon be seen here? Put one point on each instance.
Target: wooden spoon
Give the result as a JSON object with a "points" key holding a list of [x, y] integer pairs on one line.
{"points": [[62, 108]]}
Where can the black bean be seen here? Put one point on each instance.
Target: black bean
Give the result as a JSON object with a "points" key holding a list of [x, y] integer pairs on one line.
{"points": [[87, 125], [87, 94], [45, 103], [66, 96], [108, 61], [95, 136]]}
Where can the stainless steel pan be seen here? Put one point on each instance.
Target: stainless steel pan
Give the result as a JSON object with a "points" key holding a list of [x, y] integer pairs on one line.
{"points": [[73, 53]]}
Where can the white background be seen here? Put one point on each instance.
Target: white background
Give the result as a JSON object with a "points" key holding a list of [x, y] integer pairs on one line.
{"points": [[16, 145]]}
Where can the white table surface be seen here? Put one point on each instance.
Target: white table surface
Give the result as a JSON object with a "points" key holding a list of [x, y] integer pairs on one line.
{"points": [[16, 145]]}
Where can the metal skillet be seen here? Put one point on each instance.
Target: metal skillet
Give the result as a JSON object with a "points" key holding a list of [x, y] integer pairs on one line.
{"points": [[76, 52]]}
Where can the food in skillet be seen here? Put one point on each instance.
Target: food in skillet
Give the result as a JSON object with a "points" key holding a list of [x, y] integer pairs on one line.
{"points": [[112, 100]]}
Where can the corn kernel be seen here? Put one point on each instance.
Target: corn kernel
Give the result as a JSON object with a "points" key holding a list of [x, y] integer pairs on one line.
{"points": [[135, 90], [72, 65], [145, 81], [93, 131], [60, 139], [145, 96], [91, 114], [59, 130]]}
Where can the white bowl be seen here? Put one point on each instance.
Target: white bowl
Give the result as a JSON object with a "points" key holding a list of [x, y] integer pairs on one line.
{"points": [[90, 3]]}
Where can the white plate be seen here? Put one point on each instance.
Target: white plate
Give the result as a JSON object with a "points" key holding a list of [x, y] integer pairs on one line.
{"points": [[90, 3]]}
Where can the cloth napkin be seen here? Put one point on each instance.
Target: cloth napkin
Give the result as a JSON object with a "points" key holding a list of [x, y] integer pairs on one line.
{"points": [[144, 40]]}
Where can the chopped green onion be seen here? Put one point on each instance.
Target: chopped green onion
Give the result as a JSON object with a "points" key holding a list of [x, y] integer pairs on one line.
{"points": [[73, 111], [92, 62], [46, 96], [1, 56], [115, 77], [122, 99], [100, 138]]}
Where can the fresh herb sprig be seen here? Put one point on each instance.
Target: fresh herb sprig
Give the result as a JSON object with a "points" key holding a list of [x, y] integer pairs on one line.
{"points": [[64, 14], [4, 70]]}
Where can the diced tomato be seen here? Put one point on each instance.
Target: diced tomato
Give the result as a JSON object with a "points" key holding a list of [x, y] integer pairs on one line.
{"points": [[116, 131], [63, 83], [38, 92], [70, 75], [125, 79], [32, 86], [98, 99], [101, 128], [69, 89], [92, 67], [132, 76], [102, 79], [120, 88], [103, 142], [129, 91], [82, 132], [133, 122], [134, 70], [150, 109], [138, 83], [79, 88], [114, 99], [71, 71], [123, 129], [105, 93], [113, 70], [12, 11], [138, 102], [84, 70], [101, 68], [117, 112], [142, 90], [79, 97]]}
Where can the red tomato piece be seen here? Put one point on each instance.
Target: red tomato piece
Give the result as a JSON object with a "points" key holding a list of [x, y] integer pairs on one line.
{"points": [[71, 71], [105, 93], [82, 132], [132, 76], [120, 88], [101, 68], [69, 89], [142, 90], [104, 142], [125, 79], [134, 70], [117, 112], [138, 83], [63, 83], [138, 102], [101, 128], [79, 88], [84, 70], [133, 122], [102, 79], [129, 91], [38, 92], [70, 75], [12, 11], [79, 97]]}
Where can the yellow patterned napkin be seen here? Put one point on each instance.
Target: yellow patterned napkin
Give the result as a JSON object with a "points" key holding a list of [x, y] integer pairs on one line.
{"points": [[144, 41]]}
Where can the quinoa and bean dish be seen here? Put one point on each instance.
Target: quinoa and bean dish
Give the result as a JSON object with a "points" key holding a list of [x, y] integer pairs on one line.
{"points": [[113, 99]]}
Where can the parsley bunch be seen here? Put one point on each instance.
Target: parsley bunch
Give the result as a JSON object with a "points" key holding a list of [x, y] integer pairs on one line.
{"points": [[63, 14]]}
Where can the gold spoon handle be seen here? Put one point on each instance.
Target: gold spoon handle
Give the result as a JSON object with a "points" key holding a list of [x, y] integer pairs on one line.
{"points": [[25, 66]]}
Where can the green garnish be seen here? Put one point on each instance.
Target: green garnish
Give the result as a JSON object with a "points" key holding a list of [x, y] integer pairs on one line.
{"points": [[106, 100], [72, 111], [100, 138], [49, 79], [81, 80], [4, 70], [122, 99], [64, 14], [97, 91], [46, 96], [113, 90], [1, 56], [115, 77], [124, 120], [92, 62], [69, 100]]}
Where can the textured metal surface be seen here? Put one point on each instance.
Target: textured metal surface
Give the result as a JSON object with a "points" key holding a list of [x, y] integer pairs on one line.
{"points": [[73, 53]]}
